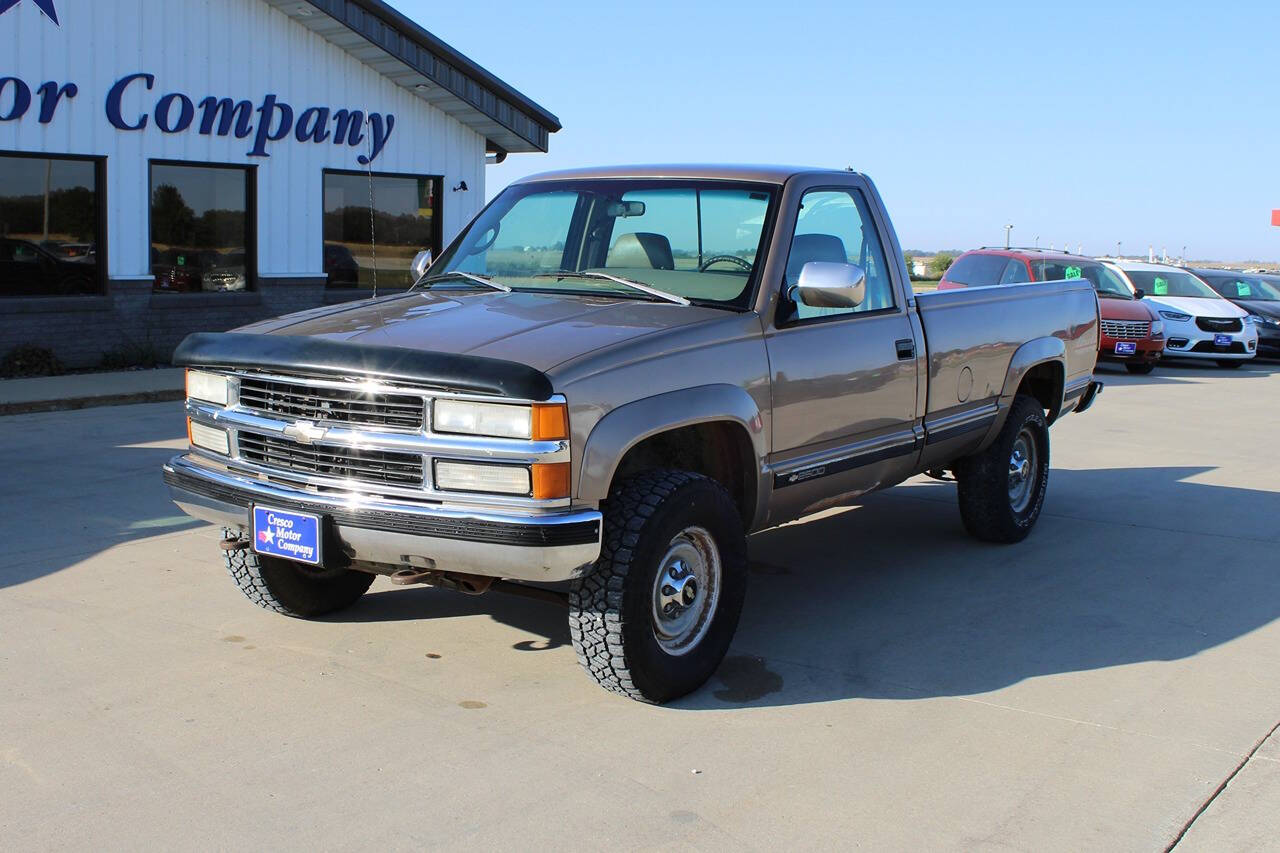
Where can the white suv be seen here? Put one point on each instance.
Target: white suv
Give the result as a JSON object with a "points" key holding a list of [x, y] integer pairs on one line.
{"points": [[1198, 323]]}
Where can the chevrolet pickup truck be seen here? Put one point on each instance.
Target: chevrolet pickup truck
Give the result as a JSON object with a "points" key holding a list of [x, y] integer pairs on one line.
{"points": [[605, 382]]}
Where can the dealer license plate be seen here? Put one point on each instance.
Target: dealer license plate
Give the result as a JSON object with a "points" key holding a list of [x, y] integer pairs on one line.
{"points": [[291, 535], [1126, 348], [1222, 340]]}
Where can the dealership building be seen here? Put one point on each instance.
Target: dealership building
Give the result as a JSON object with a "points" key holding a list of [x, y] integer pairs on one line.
{"points": [[199, 164]]}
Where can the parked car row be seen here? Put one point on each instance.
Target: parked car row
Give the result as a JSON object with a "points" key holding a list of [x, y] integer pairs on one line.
{"points": [[1148, 311]]}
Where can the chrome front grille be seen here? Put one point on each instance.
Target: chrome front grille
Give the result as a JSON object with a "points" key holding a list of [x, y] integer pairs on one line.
{"points": [[1126, 330], [379, 467], [326, 404], [1215, 324]]}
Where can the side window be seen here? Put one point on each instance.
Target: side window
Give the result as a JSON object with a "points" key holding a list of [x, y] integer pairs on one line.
{"points": [[836, 226], [1015, 272]]}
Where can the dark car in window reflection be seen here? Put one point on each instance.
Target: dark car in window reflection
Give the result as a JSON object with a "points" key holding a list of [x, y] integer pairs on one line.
{"points": [[340, 266], [28, 269]]}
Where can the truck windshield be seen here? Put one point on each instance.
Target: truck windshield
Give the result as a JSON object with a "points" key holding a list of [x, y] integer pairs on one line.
{"points": [[1170, 283], [699, 240]]}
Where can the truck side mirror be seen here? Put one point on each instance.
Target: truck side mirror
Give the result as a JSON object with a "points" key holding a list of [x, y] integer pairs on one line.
{"points": [[421, 262], [823, 284]]}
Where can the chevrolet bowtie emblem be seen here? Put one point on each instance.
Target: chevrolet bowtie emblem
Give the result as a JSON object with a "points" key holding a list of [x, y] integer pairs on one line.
{"points": [[305, 432]]}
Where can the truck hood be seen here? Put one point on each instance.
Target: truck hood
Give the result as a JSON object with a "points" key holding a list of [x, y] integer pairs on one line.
{"points": [[540, 330]]}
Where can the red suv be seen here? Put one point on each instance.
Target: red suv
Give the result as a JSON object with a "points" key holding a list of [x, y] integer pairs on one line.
{"points": [[1131, 331]]}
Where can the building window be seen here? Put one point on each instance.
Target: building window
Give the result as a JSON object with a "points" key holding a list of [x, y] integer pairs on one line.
{"points": [[50, 226], [201, 228], [368, 242]]}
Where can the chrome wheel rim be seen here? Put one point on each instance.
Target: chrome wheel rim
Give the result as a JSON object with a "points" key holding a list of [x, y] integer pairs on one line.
{"points": [[686, 591], [1022, 470]]}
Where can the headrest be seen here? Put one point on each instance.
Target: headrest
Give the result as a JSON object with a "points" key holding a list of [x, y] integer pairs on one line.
{"points": [[813, 247], [641, 249]]}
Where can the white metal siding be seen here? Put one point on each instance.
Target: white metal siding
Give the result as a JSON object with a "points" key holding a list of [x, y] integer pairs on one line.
{"points": [[239, 49]]}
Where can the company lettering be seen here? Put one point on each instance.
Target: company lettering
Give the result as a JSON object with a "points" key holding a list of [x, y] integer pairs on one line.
{"points": [[134, 104], [175, 112], [15, 98]]}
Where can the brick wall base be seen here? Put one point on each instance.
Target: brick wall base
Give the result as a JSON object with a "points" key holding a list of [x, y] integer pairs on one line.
{"points": [[81, 329]]}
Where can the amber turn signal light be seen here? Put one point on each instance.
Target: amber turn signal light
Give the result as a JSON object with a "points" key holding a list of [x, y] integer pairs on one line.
{"points": [[550, 480], [550, 421]]}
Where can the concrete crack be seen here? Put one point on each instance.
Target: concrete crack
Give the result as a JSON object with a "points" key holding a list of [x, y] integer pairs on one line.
{"points": [[1221, 787]]}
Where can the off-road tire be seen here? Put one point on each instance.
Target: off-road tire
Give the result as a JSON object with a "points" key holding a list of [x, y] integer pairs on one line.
{"points": [[1231, 363], [982, 480], [1140, 368], [610, 616], [293, 588]]}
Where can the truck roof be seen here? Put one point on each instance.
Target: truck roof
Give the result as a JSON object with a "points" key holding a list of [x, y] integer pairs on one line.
{"points": [[717, 171]]}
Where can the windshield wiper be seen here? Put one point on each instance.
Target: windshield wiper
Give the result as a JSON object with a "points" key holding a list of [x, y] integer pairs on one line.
{"points": [[444, 276], [626, 282]]}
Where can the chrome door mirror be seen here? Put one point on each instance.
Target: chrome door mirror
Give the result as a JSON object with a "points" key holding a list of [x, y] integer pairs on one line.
{"points": [[421, 262], [824, 284]]}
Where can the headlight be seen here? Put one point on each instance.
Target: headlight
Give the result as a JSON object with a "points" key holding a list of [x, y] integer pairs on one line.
{"points": [[209, 387], [1176, 316], [501, 420], [1157, 327], [209, 438]]}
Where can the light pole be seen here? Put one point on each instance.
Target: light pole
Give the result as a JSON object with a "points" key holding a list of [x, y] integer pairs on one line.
{"points": [[1037, 242], [1007, 230], [1117, 248]]}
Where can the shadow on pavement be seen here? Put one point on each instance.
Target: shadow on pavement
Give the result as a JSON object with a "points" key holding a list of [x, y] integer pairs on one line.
{"points": [[893, 599]]}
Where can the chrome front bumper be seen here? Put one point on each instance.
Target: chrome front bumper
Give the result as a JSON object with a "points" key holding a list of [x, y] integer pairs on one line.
{"points": [[544, 547]]}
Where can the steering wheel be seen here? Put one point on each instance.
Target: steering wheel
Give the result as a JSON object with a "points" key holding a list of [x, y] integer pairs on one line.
{"points": [[733, 259]]}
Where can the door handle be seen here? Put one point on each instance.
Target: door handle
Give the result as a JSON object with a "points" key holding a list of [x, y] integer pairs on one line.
{"points": [[906, 348]]}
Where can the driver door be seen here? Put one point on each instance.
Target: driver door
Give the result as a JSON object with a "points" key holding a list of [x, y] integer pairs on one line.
{"points": [[845, 380]]}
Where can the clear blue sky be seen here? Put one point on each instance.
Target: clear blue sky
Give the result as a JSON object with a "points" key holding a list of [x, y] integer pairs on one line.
{"points": [[1081, 122]]}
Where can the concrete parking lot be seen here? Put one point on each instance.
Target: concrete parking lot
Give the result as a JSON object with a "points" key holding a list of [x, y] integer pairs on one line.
{"points": [[1109, 684]]}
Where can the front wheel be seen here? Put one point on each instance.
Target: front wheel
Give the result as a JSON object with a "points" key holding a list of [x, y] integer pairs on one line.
{"points": [[1002, 489], [1140, 368], [293, 588], [656, 616]]}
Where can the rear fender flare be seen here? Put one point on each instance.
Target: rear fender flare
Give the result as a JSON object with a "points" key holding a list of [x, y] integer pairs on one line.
{"points": [[1046, 350]]}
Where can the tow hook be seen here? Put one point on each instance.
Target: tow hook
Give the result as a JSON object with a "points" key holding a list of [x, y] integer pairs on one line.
{"points": [[233, 544], [458, 581]]}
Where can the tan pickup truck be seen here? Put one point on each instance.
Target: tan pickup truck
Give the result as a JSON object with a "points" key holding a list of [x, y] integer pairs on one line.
{"points": [[605, 382]]}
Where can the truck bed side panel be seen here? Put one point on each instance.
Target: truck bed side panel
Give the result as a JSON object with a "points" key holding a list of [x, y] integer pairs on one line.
{"points": [[972, 335]]}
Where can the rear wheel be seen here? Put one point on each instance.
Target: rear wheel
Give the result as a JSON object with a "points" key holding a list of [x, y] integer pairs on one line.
{"points": [[293, 588], [1002, 489], [1230, 363], [1141, 368], [656, 616]]}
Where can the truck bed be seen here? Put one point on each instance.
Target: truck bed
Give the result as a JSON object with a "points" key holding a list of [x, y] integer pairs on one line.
{"points": [[976, 338]]}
